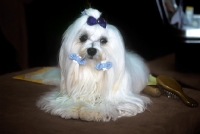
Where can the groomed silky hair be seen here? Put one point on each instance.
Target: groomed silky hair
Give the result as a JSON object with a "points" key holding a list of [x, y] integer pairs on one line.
{"points": [[113, 93], [68, 43]]}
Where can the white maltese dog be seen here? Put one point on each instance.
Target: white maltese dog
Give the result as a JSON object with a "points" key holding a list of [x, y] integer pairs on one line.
{"points": [[100, 80]]}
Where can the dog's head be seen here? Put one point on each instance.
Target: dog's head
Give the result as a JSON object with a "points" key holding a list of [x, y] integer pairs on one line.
{"points": [[91, 38], [93, 42]]}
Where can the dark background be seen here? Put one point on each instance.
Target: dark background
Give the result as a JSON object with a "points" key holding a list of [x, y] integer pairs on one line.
{"points": [[139, 22]]}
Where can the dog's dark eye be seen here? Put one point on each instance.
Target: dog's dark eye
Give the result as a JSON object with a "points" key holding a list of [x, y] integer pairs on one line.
{"points": [[83, 38], [103, 41]]}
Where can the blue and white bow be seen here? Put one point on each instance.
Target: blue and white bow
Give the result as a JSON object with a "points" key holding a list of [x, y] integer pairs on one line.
{"points": [[77, 58], [105, 65]]}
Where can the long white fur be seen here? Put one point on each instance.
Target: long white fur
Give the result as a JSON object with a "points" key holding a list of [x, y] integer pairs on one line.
{"points": [[88, 94]]}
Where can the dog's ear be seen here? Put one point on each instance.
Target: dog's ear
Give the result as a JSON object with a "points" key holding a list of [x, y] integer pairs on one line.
{"points": [[62, 64], [116, 41]]}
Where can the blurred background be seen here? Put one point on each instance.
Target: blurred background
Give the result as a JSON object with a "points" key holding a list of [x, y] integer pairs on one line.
{"points": [[31, 30]]}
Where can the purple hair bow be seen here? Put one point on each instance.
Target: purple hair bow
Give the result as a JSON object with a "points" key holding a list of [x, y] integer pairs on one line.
{"points": [[92, 21]]}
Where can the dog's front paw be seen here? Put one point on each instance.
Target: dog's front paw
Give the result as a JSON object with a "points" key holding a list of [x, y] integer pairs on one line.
{"points": [[71, 113], [129, 109], [91, 115]]}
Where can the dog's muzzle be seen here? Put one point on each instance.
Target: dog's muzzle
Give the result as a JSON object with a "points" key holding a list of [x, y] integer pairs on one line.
{"points": [[91, 51]]}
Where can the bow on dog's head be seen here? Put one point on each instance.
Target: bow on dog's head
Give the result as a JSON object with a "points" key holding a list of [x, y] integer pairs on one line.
{"points": [[92, 40], [93, 21]]}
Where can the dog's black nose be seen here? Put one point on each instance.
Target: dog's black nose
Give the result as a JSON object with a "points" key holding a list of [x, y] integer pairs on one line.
{"points": [[91, 51]]}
